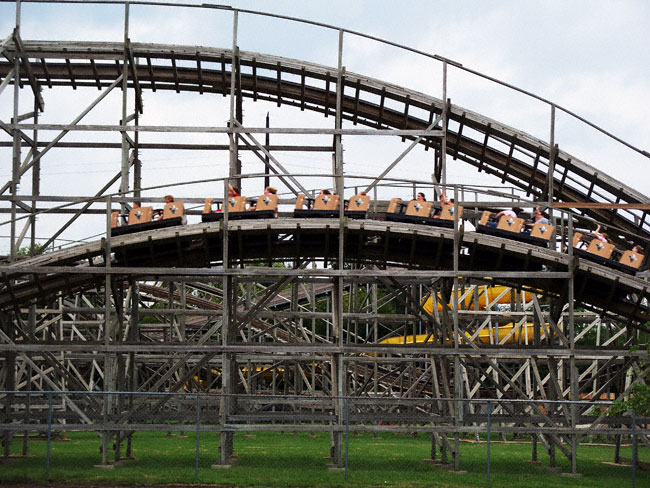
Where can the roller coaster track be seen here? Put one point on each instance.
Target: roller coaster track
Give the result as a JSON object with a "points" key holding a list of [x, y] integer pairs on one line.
{"points": [[116, 273], [512, 155], [197, 250]]}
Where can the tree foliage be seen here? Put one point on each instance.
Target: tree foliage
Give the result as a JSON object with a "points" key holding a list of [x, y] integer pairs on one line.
{"points": [[639, 398]]}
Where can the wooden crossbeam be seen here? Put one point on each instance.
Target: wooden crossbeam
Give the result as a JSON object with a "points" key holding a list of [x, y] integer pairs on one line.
{"points": [[46, 72], [36, 87], [509, 160], [459, 134], [136, 79], [302, 88], [327, 94], [70, 73], [223, 75], [94, 67], [178, 90], [151, 77], [279, 84], [199, 72], [382, 99], [254, 64]]}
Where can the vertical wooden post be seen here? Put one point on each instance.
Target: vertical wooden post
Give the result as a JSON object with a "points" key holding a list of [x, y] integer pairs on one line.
{"points": [[124, 177], [108, 368], [445, 115], [235, 165], [15, 166], [338, 373]]}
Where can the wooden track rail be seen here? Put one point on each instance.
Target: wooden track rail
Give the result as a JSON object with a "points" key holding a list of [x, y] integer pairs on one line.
{"points": [[309, 86], [419, 251]]}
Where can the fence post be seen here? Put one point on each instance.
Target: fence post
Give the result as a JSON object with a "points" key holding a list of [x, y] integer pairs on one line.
{"points": [[489, 429], [634, 449], [347, 434], [198, 425], [49, 433]]}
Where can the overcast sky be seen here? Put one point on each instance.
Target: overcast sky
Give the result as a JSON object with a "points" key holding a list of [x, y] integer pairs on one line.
{"points": [[591, 57]]}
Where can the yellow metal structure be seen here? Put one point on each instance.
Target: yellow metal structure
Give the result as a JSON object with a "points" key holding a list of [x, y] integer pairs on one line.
{"points": [[492, 334], [486, 295]]}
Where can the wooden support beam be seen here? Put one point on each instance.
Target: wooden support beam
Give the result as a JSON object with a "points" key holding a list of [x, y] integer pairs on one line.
{"points": [[382, 100], [224, 91], [151, 76], [407, 104], [327, 94], [459, 134], [176, 85], [509, 160], [278, 82], [94, 67], [484, 147], [199, 73], [254, 63], [71, 74], [136, 79], [355, 115], [533, 171], [36, 87], [302, 89]]}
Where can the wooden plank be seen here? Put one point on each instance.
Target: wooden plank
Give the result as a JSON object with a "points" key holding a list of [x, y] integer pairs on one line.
{"points": [[302, 89], [94, 67], [151, 76], [46, 73], [382, 100], [200, 73], [279, 85], [175, 73], [509, 160], [72, 80], [254, 80], [484, 147], [355, 114]]}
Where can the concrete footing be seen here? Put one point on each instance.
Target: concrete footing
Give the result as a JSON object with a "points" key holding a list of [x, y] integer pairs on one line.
{"points": [[571, 475], [432, 461]]}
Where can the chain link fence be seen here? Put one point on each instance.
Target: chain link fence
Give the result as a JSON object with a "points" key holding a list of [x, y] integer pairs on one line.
{"points": [[115, 416]]}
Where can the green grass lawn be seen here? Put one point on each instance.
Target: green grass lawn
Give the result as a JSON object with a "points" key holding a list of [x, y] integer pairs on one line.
{"points": [[286, 459]]}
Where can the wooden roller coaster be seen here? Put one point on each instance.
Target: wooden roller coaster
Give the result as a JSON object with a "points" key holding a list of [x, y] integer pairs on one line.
{"points": [[290, 304]]}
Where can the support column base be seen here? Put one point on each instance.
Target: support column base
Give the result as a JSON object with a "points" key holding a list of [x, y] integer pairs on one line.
{"points": [[571, 475], [432, 461]]}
